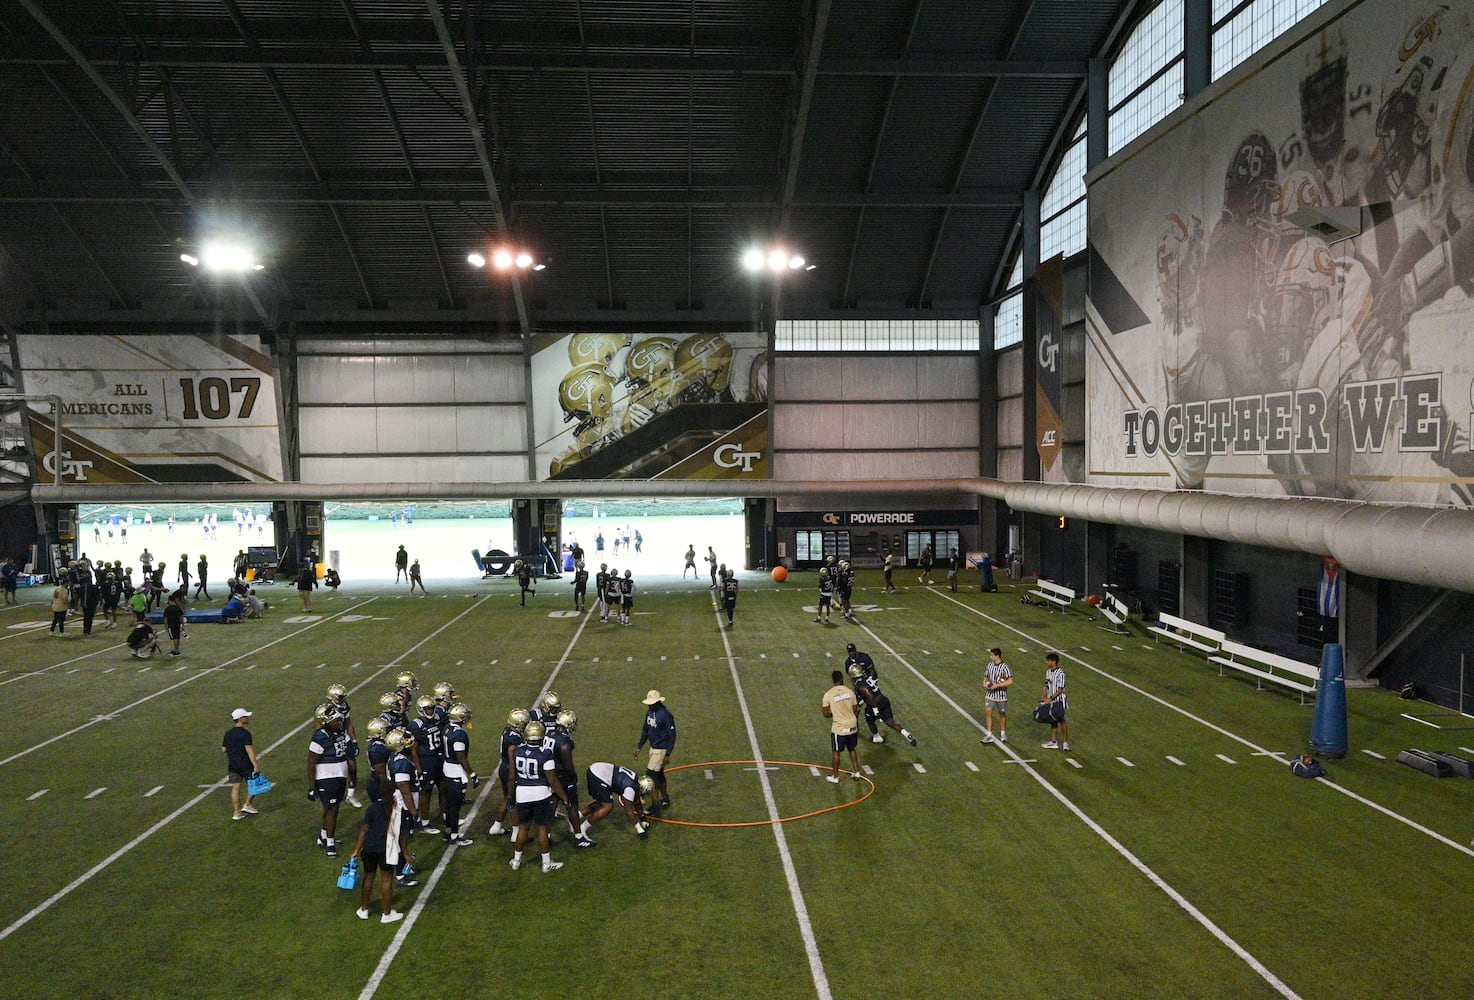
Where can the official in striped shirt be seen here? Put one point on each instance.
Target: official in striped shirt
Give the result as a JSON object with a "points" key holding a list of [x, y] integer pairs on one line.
{"points": [[997, 682], [1054, 692]]}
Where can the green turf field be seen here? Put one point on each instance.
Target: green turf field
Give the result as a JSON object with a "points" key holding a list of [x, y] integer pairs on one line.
{"points": [[1169, 854]]}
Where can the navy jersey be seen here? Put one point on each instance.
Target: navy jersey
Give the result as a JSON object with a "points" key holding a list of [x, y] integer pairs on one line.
{"points": [[826, 586], [864, 660], [378, 756], [606, 782], [612, 591], [659, 730], [329, 759], [510, 738], [530, 766], [401, 769], [729, 590], [563, 766], [627, 590], [601, 580], [581, 580], [846, 581], [868, 688], [457, 740], [429, 737]]}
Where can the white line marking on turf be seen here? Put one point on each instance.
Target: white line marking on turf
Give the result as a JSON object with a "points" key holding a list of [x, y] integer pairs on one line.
{"points": [[145, 670], [251, 667], [1022, 760], [1176, 761], [1466, 750], [1414, 718], [868, 769], [1085, 648], [74, 670], [970, 765], [1123, 760], [385, 960], [813, 770], [95, 792], [63, 663], [919, 768], [1373, 753], [1117, 648], [1182, 901], [1235, 737], [37, 795], [790, 874], [86, 876], [709, 775], [1074, 763], [1225, 759], [110, 670], [153, 791]]}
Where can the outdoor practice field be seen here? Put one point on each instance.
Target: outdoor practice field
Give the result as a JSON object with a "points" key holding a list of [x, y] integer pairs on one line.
{"points": [[1169, 854]]}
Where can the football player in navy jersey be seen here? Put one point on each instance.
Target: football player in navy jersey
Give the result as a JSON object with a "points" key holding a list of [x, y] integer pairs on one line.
{"points": [[867, 688], [538, 794], [517, 721], [626, 597], [547, 708], [729, 595], [845, 585], [612, 596], [378, 757], [327, 774], [458, 771], [391, 710], [608, 783], [566, 772], [601, 580], [429, 756], [338, 697], [580, 586], [405, 685], [826, 595], [401, 773]]}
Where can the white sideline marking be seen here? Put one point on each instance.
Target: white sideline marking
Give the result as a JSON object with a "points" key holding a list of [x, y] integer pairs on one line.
{"points": [[37, 795], [86, 876], [919, 768], [1414, 718], [63, 663], [970, 765], [1074, 763], [385, 960], [95, 792], [1123, 760], [1373, 753], [1176, 761], [153, 791], [1182, 901], [790, 874], [1225, 759], [1235, 737]]}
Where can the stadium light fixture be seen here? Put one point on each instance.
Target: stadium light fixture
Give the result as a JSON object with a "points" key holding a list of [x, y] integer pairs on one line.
{"points": [[476, 259], [224, 257], [776, 259]]}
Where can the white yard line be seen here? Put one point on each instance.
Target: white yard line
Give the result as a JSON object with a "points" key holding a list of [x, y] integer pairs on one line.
{"points": [[1202, 918], [800, 908], [1235, 737], [162, 691], [75, 659], [87, 876], [401, 935]]}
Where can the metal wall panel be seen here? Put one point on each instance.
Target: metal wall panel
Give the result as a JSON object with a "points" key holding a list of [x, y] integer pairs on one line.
{"points": [[1011, 464], [875, 465], [347, 430], [1011, 373], [421, 469], [942, 377], [1010, 424]]}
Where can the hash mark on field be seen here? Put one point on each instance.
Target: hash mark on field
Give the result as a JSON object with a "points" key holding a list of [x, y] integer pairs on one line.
{"points": [[1414, 718], [285, 665], [662, 658], [1176, 761], [1074, 763], [425, 663], [95, 792], [353, 666], [827, 654], [110, 670], [145, 670], [1123, 760], [493, 663], [919, 768], [696, 657], [710, 776], [74, 670], [596, 659], [926, 652], [153, 791], [251, 667], [176, 669], [459, 662], [813, 770], [320, 666], [37, 795], [959, 652], [528, 660], [1225, 758], [1117, 648], [629, 659], [970, 765], [1373, 753], [1086, 648], [762, 656], [1147, 645], [1466, 750], [867, 769], [795, 656]]}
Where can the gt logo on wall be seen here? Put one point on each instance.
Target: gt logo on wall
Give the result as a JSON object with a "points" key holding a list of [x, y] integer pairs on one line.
{"points": [[642, 407], [1292, 315], [153, 408]]}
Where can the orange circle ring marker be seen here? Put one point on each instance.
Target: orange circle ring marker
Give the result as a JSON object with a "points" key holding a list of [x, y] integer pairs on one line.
{"points": [[869, 791]]}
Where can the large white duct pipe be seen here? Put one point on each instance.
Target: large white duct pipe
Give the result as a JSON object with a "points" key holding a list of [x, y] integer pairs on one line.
{"points": [[1433, 547]]}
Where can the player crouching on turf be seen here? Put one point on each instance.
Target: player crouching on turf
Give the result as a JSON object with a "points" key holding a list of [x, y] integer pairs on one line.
{"points": [[608, 783], [143, 640]]}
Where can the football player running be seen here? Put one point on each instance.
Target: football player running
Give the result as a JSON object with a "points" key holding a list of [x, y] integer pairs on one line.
{"points": [[608, 783], [538, 794], [867, 689]]}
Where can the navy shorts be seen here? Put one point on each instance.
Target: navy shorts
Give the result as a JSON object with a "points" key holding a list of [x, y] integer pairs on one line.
{"points": [[330, 791], [840, 742], [599, 791], [539, 813]]}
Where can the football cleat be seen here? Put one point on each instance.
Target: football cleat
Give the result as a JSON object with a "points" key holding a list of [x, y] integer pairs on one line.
{"points": [[377, 728], [406, 679], [337, 693], [568, 721], [460, 713], [517, 719], [444, 691], [534, 732], [397, 740]]}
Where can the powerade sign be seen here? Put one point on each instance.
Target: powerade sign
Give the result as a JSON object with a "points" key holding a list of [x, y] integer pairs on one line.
{"points": [[874, 518]]}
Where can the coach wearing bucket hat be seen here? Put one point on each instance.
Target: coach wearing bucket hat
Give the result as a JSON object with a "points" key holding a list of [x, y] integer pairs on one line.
{"points": [[660, 733]]}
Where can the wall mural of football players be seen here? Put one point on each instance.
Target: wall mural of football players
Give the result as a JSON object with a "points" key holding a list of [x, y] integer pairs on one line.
{"points": [[1275, 361], [613, 386]]}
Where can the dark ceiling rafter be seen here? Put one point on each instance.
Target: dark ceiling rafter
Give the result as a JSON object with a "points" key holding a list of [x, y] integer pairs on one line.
{"points": [[473, 121], [300, 134], [805, 98], [382, 89], [1126, 19], [875, 147], [972, 139], [588, 98]]}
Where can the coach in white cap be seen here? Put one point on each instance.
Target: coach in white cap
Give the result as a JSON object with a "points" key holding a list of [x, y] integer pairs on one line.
{"points": [[660, 733]]}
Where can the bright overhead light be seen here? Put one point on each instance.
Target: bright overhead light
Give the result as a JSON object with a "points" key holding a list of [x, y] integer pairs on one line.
{"points": [[777, 260], [524, 260], [752, 260], [539, 267], [795, 262], [226, 257], [502, 259], [190, 259], [476, 259]]}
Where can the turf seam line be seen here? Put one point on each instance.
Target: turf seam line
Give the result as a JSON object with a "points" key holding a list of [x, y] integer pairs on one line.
{"points": [[1182, 901], [790, 874]]}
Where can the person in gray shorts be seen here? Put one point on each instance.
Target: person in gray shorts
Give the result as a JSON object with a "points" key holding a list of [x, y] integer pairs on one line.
{"points": [[997, 680]]}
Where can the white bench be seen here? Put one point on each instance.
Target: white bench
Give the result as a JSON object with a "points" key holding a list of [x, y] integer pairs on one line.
{"points": [[1053, 592], [1115, 612], [1186, 633], [1272, 667]]}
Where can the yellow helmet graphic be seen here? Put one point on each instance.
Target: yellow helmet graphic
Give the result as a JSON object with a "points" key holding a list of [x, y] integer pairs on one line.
{"points": [[596, 348], [651, 360], [704, 362], [586, 393]]}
